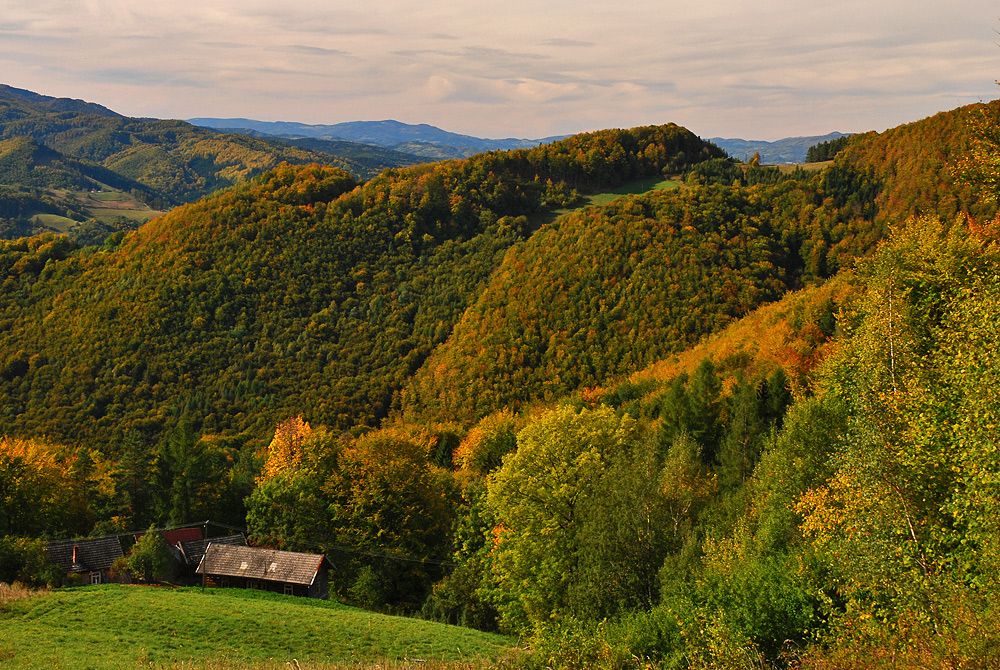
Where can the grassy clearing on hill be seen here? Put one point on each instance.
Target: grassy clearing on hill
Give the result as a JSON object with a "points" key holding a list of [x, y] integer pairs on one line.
{"points": [[54, 222], [113, 626], [637, 187], [107, 204], [808, 167], [632, 188], [140, 215], [104, 206]]}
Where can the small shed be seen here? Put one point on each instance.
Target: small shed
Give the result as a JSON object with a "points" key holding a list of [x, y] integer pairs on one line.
{"points": [[90, 559], [288, 572]]}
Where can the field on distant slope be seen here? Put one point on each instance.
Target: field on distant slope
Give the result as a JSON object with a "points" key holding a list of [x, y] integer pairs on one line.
{"points": [[635, 187], [808, 167], [115, 626], [107, 204]]}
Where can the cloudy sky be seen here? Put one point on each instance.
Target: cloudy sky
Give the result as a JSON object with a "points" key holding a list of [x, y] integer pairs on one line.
{"points": [[765, 69]]}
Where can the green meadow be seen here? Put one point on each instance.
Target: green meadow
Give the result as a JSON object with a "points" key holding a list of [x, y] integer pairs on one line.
{"points": [[114, 626], [635, 187]]}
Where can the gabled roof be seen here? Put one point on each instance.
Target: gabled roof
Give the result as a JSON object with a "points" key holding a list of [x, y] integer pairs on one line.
{"points": [[194, 550], [95, 554], [259, 563]]}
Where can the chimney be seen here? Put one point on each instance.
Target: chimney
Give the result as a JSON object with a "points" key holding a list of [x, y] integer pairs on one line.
{"points": [[76, 558]]}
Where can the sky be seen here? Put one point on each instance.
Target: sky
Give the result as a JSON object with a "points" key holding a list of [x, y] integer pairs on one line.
{"points": [[760, 70]]}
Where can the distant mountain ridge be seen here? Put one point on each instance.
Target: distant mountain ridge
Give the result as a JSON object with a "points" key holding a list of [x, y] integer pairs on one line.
{"points": [[16, 99], [787, 151], [55, 151], [420, 139]]}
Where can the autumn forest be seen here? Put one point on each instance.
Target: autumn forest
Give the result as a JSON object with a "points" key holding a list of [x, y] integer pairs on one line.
{"points": [[740, 417]]}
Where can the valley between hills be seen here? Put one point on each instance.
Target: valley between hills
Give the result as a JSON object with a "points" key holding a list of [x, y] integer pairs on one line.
{"points": [[615, 400]]}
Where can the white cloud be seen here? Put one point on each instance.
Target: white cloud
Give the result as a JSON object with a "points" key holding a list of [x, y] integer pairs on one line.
{"points": [[440, 89], [762, 69]]}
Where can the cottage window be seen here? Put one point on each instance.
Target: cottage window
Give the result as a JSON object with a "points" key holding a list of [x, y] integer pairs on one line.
{"points": [[95, 578], [288, 590]]}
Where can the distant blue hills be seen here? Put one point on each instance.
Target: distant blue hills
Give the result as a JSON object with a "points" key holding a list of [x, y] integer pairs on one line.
{"points": [[433, 143], [789, 151], [420, 140]]}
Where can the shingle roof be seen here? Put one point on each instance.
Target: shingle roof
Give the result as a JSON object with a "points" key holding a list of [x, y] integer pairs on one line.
{"points": [[96, 554], [258, 563], [194, 550]]}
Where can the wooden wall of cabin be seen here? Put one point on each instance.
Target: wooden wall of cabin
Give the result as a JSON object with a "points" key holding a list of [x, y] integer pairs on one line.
{"points": [[220, 582]]}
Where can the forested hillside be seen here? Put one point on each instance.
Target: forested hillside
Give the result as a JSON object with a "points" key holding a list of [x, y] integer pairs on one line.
{"points": [[296, 294], [25, 162], [748, 420], [609, 290], [913, 166]]}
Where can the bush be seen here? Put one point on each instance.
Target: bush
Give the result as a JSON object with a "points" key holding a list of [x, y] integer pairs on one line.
{"points": [[25, 561], [150, 560], [455, 600], [574, 645]]}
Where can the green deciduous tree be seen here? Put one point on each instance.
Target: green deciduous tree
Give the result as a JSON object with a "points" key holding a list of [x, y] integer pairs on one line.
{"points": [[149, 560], [542, 497], [289, 511], [897, 517], [24, 560]]}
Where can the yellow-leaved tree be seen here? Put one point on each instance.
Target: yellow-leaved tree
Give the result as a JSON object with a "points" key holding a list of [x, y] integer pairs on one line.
{"points": [[286, 448], [41, 490], [906, 521]]}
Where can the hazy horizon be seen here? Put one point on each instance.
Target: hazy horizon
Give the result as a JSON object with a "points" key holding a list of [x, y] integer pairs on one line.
{"points": [[721, 69]]}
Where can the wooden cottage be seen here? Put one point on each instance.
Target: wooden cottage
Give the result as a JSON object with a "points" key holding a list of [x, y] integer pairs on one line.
{"points": [[288, 572], [88, 560]]}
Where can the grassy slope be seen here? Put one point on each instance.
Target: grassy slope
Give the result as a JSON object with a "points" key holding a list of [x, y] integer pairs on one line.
{"points": [[137, 626], [635, 187]]}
